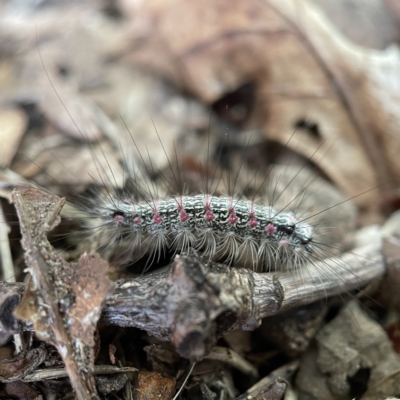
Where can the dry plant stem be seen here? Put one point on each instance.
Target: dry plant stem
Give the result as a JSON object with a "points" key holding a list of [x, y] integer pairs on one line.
{"points": [[192, 303], [7, 264], [8, 267], [332, 277], [57, 373]]}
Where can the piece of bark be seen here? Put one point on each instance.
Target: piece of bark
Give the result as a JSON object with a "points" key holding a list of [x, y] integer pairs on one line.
{"points": [[63, 300], [107, 384], [25, 363]]}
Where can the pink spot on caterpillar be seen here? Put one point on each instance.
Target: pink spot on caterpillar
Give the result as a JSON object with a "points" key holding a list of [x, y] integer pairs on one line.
{"points": [[119, 218], [127, 201], [183, 215], [270, 229], [209, 216], [283, 243], [253, 222], [232, 218], [137, 220], [157, 219]]}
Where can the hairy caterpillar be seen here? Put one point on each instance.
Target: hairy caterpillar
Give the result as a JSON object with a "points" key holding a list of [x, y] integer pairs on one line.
{"points": [[213, 225], [274, 234]]}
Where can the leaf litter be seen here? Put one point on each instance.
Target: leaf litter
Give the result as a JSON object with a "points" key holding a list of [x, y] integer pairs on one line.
{"points": [[264, 68]]}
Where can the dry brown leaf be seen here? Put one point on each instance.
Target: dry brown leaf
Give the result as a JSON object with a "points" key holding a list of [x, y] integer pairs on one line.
{"points": [[389, 385], [292, 78], [77, 115], [350, 342], [67, 61], [13, 123], [368, 81], [56, 161]]}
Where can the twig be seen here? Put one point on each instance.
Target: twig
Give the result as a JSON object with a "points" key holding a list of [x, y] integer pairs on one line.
{"points": [[7, 264], [7, 267], [56, 373]]}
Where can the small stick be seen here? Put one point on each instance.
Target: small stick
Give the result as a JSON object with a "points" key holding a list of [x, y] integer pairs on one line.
{"points": [[7, 267]]}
